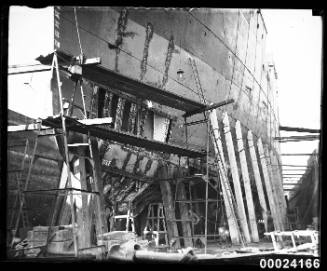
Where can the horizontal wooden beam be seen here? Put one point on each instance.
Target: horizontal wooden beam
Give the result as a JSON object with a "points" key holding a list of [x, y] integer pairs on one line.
{"points": [[109, 78], [34, 126], [297, 138], [298, 129], [294, 169], [207, 108], [63, 190], [104, 132], [298, 154], [127, 174]]}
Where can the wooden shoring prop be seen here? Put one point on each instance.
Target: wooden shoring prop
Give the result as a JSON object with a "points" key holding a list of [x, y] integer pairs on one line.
{"points": [[270, 192], [86, 223], [279, 184], [227, 193], [247, 183], [184, 211], [236, 178], [257, 179], [119, 113], [167, 199], [274, 186]]}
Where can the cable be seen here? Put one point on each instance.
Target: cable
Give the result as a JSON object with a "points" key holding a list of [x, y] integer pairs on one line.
{"points": [[246, 53], [237, 32], [77, 30]]}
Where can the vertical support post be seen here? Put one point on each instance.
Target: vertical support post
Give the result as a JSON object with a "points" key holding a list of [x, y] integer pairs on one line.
{"points": [[276, 172], [183, 207], [257, 179], [247, 183], [207, 183], [278, 191], [119, 113], [167, 200], [227, 194], [96, 167], [132, 118], [276, 185], [85, 212], [236, 178], [186, 135], [138, 117], [270, 192]]}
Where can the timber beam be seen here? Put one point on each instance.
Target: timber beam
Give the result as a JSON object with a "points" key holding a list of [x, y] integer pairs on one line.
{"points": [[247, 183], [236, 178], [257, 178], [127, 175], [208, 108]]}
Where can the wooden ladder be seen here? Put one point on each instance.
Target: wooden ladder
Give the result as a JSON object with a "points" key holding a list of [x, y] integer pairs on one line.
{"points": [[100, 221], [156, 223], [129, 219]]}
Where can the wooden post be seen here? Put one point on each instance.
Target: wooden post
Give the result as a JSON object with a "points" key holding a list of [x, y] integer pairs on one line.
{"points": [[137, 128], [119, 113], [132, 118], [279, 175], [278, 187], [257, 179], [86, 223], [247, 184], [270, 194], [107, 104], [101, 225], [274, 188], [167, 200], [183, 207], [230, 213], [236, 178]]}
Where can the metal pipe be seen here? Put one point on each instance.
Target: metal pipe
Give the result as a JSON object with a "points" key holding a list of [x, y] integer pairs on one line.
{"points": [[162, 256], [298, 154]]}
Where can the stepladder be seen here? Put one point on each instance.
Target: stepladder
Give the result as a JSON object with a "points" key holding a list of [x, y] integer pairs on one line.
{"points": [[156, 224], [125, 221]]}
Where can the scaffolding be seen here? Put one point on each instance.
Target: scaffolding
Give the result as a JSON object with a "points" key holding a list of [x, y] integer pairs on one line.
{"points": [[94, 128]]}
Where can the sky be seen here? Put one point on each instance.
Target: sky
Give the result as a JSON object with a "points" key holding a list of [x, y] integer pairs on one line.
{"points": [[295, 37]]}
